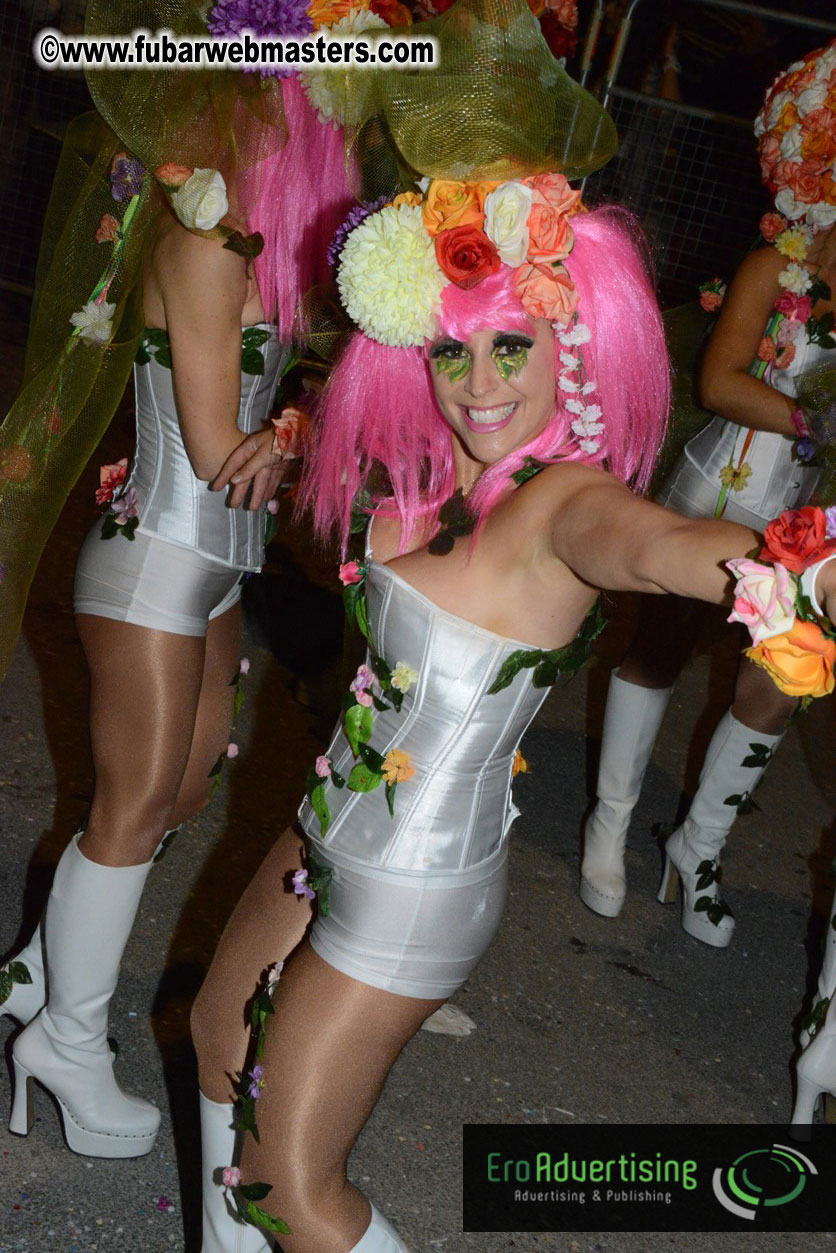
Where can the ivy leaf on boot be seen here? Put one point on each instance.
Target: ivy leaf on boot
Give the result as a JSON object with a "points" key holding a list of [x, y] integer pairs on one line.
{"points": [[760, 757]]}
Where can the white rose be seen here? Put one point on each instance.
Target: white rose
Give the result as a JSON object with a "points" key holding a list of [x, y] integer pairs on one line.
{"points": [[821, 215], [791, 144], [201, 202], [506, 221], [786, 203], [811, 98]]}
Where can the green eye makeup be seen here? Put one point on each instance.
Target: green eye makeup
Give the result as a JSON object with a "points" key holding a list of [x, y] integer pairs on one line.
{"points": [[510, 354], [451, 359]]}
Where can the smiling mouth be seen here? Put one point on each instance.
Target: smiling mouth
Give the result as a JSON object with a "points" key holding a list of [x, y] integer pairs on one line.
{"points": [[487, 420]]}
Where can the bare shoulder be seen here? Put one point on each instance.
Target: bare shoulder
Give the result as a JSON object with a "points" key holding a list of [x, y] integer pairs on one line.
{"points": [[570, 482], [758, 270], [182, 261]]}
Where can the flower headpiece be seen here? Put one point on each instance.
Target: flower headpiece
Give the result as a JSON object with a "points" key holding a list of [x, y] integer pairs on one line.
{"points": [[325, 89], [394, 264], [796, 130]]}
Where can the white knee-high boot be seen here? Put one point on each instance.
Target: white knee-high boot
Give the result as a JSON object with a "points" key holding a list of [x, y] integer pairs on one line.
{"points": [[89, 916], [223, 1230], [692, 852], [826, 982], [379, 1237], [25, 999], [631, 722]]}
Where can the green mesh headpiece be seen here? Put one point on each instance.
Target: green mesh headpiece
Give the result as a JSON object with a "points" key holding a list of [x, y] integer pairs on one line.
{"points": [[497, 106]]}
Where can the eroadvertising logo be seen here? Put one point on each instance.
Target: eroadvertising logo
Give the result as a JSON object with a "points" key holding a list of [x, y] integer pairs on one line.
{"points": [[762, 1177], [646, 1177]]}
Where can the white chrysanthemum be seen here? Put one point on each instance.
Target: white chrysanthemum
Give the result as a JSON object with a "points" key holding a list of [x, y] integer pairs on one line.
{"points": [[795, 278], [389, 278], [326, 89], [95, 321], [786, 203]]}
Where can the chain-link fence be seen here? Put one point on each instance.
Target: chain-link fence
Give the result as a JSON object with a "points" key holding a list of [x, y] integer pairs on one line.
{"points": [[35, 108], [689, 171]]}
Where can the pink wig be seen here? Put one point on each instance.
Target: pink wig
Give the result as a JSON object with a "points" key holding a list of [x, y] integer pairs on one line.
{"points": [[301, 197], [379, 407]]}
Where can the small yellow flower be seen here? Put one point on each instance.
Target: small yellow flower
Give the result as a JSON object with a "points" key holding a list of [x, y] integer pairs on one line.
{"points": [[396, 767], [793, 243], [735, 479], [403, 676], [520, 765]]}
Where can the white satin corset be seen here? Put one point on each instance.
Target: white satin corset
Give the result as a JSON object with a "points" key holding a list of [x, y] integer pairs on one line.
{"points": [[777, 480], [455, 810], [173, 503]]}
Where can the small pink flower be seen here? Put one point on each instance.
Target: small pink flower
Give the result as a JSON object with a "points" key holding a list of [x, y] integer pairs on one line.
{"points": [[803, 309], [830, 522], [300, 885], [764, 598], [364, 678], [164, 1205], [322, 766], [350, 573], [273, 506], [111, 477], [107, 229], [244, 667], [710, 300], [363, 698], [772, 223], [231, 1176], [172, 176], [232, 750]]}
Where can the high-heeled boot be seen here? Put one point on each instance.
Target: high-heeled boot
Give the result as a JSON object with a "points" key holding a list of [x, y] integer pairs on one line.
{"points": [[732, 769], [815, 1070], [826, 982], [89, 916], [223, 1230], [25, 999], [631, 722], [379, 1237]]}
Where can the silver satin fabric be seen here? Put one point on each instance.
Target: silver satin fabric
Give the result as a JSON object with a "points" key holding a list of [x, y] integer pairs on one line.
{"points": [[416, 898], [777, 481], [173, 503], [453, 813]]}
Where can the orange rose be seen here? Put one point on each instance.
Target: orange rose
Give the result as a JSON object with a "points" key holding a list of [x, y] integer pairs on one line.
{"points": [[172, 175], [554, 190], [550, 235], [450, 204], [547, 293], [800, 662], [107, 229], [407, 197], [327, 12]]}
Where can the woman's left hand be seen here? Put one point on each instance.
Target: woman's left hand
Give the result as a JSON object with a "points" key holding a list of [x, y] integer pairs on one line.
{"points": [[252, 462]]}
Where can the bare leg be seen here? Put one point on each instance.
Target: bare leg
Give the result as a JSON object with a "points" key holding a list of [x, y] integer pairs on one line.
{"points": [[329, 1048], [667, 631]]}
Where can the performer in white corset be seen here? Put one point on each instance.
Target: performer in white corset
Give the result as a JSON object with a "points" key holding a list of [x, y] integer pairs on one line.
{"points": [[751, 462]]}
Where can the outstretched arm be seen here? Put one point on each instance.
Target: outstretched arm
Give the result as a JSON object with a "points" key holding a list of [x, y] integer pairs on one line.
{"points": [[616, 541]]}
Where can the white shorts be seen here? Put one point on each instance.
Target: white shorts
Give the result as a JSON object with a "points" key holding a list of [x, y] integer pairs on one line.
{"points": [[152, 583]]}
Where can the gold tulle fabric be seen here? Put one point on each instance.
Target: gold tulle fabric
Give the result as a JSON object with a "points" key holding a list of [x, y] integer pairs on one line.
{"points": [[497, 106], [72, 385]]}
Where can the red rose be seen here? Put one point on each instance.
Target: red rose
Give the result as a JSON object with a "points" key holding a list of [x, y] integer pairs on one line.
{"points": [[466, 255], [797, 539], [786, 302], [803, 309]]}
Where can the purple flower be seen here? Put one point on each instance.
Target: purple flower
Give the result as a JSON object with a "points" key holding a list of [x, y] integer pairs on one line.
{"points": [[830, 522], [805, 450], [232, 750], [356, 215], [126, 175], [263, 17], [322, 767], [231, 1176], [125, 507], [300, 885], [257, 1077]]}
